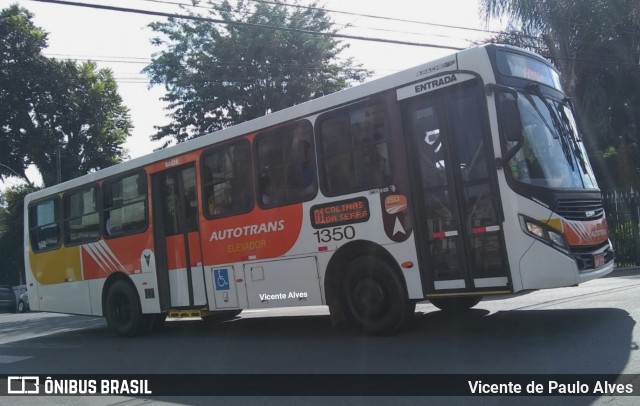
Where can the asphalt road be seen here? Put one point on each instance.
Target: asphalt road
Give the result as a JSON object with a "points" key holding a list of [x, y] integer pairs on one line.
{"points": [[589, 329]]}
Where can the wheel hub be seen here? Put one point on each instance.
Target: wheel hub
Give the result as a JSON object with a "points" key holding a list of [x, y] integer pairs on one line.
{"points": [[369, 298]]}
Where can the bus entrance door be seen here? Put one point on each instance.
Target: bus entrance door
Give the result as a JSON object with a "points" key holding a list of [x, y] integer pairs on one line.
{"points": [[458, 225], [177, 238]]}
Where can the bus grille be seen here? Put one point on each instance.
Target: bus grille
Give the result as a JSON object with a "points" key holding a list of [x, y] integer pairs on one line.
{"points": [[580, 210]]}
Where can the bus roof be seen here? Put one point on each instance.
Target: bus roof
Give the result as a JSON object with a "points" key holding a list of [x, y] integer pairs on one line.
{"points": [[308, 108]]}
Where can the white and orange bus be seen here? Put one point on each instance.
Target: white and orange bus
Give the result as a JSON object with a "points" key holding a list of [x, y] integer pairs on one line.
{"points": [[457, 179]]}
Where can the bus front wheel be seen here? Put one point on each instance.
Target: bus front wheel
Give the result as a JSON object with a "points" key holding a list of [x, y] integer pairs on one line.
{"points": [[373, 296], [123, 313], [455, 304]]}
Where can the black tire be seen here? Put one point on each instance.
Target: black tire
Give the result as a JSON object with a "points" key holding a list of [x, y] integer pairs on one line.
{"points": [[222, 315], [123, 313], [21, 307], [456, 304], [411, 307], [150, 323], [157, 322], [373, 297]]}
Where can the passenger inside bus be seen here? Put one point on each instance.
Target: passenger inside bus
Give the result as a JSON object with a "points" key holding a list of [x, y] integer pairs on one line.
{"points": [[303, 183], [264, 189], [107, 225]]}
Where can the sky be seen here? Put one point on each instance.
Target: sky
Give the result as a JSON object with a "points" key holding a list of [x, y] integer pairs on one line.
{"points": [[121, 41]]}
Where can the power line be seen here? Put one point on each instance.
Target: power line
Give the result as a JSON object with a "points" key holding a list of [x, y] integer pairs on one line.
{"points": [[184, 5], [220, 64], [372, 16], [100, 60], [144, 61], [247, 25], [91, 57]]}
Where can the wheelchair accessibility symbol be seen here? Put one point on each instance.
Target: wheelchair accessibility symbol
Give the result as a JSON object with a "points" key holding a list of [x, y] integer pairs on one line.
{"points": [[221, 279]]}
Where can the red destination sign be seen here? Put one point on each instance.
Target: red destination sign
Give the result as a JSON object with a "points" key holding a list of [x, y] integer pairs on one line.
{"points": [[340, 213]]}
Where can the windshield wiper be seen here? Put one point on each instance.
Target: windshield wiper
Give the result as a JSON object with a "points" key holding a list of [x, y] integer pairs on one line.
{"points": [[560, 130], [574, 138]]}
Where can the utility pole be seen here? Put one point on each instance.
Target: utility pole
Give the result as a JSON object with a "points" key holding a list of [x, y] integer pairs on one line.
{"points": [[58, 168]]}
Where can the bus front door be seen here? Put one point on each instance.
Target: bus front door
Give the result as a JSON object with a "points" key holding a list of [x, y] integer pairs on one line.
{"points": [[455, 196], [177, 238]]}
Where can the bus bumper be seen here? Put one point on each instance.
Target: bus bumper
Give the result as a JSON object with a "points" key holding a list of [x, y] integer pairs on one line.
{"points": [[585, 276], [543, 267]]}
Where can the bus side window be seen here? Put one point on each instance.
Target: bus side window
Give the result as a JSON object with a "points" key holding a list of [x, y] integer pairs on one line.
{"points": [[124, 205], [286, 170], [301, 166], [81, 223], [355, 152], [44, 225], [227, 183]]}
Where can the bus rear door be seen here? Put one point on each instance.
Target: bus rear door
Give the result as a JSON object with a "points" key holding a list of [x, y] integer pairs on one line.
{"points": [[177, 238]]}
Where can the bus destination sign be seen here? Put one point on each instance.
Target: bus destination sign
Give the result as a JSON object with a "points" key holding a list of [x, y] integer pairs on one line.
{"points": [[340, 213]]}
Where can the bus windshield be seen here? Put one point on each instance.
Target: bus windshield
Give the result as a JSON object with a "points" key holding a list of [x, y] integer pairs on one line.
{"points": [[552, 154]]}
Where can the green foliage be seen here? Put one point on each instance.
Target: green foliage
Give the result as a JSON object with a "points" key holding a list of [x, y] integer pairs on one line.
{"points": [[21, 68], [85, 117], [221, 75], [596, 46], [11, 226], [48, 106]]}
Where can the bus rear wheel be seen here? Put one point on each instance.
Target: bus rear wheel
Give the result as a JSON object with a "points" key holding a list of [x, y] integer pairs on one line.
{"points": [[151, 323], [373, 297], [456, 304], [123, 313]]}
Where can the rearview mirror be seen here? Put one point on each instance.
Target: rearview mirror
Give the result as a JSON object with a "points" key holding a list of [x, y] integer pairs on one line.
{"points": [[510, 118]]}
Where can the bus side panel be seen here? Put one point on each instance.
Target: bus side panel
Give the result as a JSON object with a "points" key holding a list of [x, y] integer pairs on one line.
{"points": [[406, 253], [123, 254], [70, 297], [146, 285], [71, 279], [283, 283], [95, 296], [259, 234], [222, 284], [61, 287], [56, 266], [32, 283]]}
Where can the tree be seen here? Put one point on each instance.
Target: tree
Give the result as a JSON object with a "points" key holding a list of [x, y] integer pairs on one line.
{"points": [[596, 46], [221, 75], [11, 225], [49, 110], [84, 119], [21, 68], [50, 107]]}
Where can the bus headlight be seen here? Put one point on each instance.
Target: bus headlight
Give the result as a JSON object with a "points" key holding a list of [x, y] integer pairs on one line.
{"points": [[534, 229], [557, 239], [545, 233]]}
